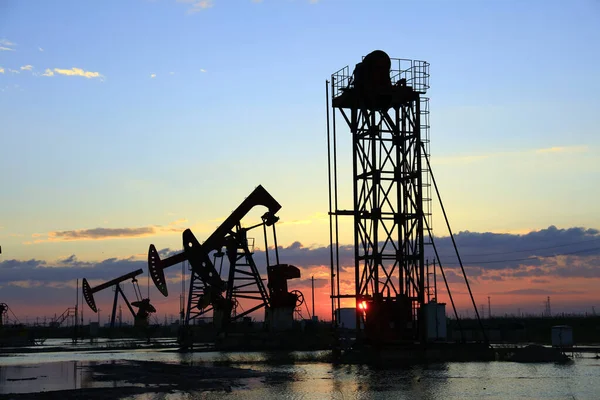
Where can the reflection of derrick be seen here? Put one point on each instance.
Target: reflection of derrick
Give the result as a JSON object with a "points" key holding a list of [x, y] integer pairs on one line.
{"points": [[208, 291], [143, 305]]}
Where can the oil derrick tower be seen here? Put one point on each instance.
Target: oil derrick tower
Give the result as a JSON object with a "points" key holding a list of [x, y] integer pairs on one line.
{"points": [[383, 106]]}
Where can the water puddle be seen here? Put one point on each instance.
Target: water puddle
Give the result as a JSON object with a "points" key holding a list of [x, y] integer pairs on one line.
{"points": [[49, 377]]}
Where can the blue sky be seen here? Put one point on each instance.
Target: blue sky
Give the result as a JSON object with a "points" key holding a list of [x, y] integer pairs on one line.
{"points": [[165, 114]]}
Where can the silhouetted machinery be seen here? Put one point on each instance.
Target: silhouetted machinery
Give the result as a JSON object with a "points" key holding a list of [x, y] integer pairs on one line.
{"points": [[243, 283], [143, 305], [371, 87], [383, 105]]}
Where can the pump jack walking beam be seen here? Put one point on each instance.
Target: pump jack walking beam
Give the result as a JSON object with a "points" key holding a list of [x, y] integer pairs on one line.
{"points": [[199, 253]]}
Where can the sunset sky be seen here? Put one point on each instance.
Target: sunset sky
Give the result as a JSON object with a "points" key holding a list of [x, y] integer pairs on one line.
{"points": [[122, 123]]}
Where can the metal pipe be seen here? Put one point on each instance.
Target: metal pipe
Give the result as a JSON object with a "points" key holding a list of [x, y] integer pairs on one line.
{"points": [[275, 242], [337, 235], [332, 273], [266, 244]]}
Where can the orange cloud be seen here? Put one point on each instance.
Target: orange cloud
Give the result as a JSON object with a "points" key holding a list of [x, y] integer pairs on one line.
{"points": [[106, 233]]}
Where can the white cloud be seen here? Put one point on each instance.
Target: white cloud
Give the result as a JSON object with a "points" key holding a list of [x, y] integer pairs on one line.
{"points": [[27, 67], [1, 70], [152, 76], [202, 70], [40, 49], [197, 5], [7, 45], [48, 72], [14, 71], [77, 72], [563, 149], [171, 73]]}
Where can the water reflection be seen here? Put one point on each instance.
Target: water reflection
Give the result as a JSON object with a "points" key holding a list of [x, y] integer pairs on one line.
{"points": [[376, 383], [321, 380], [44, 377]]}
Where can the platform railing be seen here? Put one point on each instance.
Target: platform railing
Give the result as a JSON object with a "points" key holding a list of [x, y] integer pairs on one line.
{"points": [[414, 72], [340, 80]]}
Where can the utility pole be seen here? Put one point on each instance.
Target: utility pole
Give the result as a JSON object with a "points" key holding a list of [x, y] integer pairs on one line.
{"points": [[427, 273], [489, 308], [482, 311], [312, 280], [435, 282], [181, 297], [75, 333], [81, 311], [548, 311]]}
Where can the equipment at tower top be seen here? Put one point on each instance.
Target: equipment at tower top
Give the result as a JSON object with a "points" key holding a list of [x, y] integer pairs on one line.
{"points": [[379, 82]]}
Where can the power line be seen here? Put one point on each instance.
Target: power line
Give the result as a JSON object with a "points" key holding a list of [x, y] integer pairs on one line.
{"points": [[539, 248], [525, 259]]}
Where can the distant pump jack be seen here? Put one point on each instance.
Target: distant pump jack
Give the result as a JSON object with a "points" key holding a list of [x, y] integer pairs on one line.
{"points": [[143, 305]]}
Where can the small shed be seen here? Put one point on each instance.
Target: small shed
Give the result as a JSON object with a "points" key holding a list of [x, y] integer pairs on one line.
{"points": [[562, 336], [346, 318], [435, 321]]}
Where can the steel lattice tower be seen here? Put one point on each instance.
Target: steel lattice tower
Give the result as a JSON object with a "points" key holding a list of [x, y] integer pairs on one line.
{"points": [[389, 127]]}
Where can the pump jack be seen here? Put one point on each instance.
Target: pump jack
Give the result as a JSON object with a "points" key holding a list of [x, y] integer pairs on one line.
{"points": [[209, 292], [144, 307]]}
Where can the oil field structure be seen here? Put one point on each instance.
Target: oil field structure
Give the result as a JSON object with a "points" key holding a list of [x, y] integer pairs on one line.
{"points": [[145, 309], [219, 294], [225, 297], [395, 314], [382, 107], [394, 302]]}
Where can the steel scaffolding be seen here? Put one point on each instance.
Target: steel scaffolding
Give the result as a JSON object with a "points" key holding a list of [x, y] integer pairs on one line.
{"points": [[391, 195]]}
